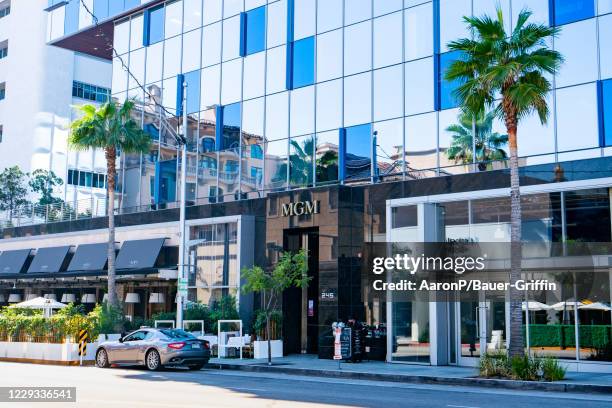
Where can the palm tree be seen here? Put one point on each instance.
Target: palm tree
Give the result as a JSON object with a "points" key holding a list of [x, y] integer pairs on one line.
{"points": [[111, 128], [489, 145], [512, 67]]}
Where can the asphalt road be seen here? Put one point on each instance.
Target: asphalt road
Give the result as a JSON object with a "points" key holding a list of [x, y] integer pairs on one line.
{"points": [[136, 388]]}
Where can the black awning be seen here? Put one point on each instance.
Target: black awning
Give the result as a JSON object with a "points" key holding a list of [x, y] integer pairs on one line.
{"points": [[89, 257], [140, 253], [49, 260], [13, 261]]}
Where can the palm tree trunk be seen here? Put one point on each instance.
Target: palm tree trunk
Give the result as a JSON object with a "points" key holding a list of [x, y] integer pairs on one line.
{"points": [[516, 347], [111, 155]]}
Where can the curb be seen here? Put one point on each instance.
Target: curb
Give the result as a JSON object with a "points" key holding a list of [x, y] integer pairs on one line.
{"points": [[422, 379]]}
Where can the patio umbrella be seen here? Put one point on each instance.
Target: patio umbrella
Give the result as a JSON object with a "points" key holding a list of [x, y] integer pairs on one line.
{"points": [[596, 306], [568, 305], [47, 305], [534, 306]]}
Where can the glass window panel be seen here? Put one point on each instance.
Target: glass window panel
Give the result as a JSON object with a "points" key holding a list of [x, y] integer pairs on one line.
{"points": [[577, 118], [254, 75], [172, 57], [232, 7], [421, 142], [453, 163], [418, 31], [387, 48], [302, 111], [537, 7], [231, 88], [276, 165], [211, 53], [329, 105], [329, 15], [326, 154], [174, 18], [228, 175], [358, 152], [358, 48], [56, 21], [419, 86], [251, 4], [193, 91], [231, 126], [567, 11], [276, 70], [207, 131], [447, 88], [115, 7], [535, 138], [169, 94], [578, 44], [329, 55], [155, 64], [277, 26], [605, 46], [389, 146], [357, 99], [604, 6], [358, 10], [192, 45], [388, 93], [156, 25], [452, 26], [137, 25], [137, 68], [231, 38], [100, 8], [256, 30], [85, 19], [211, 81], [121, 37], [607, 111], [277, 116], [386, 6], [252, 169], [192, 17], [212, 11], [303, 62], [301, 152], [304, 19], [253, 119], [120, 76]]}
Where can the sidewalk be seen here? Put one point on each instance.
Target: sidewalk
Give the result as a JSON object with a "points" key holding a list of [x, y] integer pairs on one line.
{"points": [[410, 373]]}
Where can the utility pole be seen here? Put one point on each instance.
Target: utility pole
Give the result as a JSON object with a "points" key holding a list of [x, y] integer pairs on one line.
{"points": [[182, 267]]}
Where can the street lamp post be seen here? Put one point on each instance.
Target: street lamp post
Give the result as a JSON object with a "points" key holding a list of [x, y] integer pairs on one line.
{"points": [[182, 272]]}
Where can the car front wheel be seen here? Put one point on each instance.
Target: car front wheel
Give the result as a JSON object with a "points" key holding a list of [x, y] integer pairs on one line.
{"points": [[102, 359], [153, 361]]}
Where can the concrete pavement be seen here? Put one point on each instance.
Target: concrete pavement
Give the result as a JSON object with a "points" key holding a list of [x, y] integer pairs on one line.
{"points": [[134, 387]]}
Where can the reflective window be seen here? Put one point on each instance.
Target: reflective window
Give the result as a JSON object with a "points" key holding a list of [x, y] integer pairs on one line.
{"points": [[254, 76], [303, 62], [302, 111], [136, 32], [418, 31], [419, 86], [578, 44], [357, 163], [489, 8], [115, 7], [329, 105], [211, 81], [255, 30], [232, 7], [85, 19], [357, 99], [169, 94], [251, 4], [192, 15], [253, 119], [605, 46], [452, 26], [326, 154], [192, 44], [607, 111], [252, 169], [231, 126], [100, 8], [121, 37], [71, 17], [277, 28], [537, 7], [329, 15], [447, 88], [212, 11], [358, 48], [577, 118], [388, 93], [277, 116], [172, 57], [421, 142], [231, 88], [174, 18], [358, 10], [276, 165], [544, 142], [567, 11], [329, 55], [452, 160], [386, 6], [389, 146], [387, 48], [231, 38], [604, 6], [137, 68], [276, 70], [119, 76], [156, 25], [193, 91], [211, 43], [301, 152], [304, 19]]}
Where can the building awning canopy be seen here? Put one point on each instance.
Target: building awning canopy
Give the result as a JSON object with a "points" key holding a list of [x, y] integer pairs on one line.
{"points": [[89, 257], [49, 260], [14, 261], [139, 254]]}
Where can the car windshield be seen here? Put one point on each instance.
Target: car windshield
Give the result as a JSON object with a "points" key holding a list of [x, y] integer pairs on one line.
{"points": [[177, 334]]}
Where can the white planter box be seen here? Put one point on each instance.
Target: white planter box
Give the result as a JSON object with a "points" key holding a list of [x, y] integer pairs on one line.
{"points": [[260, 349], [57, 352]]}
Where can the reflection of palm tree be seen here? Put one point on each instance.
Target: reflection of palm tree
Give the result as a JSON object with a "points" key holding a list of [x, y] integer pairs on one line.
{"points": [[489, 144], [300, 164]]}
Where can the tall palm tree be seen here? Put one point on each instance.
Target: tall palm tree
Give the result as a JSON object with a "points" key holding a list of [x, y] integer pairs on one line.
{"points": [[489, 145], [111, 128], [512, 67]]}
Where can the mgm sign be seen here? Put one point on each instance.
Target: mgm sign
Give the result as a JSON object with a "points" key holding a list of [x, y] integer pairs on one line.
{"points": [[300, 208]]}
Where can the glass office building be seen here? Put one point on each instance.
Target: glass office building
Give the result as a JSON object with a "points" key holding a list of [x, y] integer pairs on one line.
{"points": [[344, 102]]}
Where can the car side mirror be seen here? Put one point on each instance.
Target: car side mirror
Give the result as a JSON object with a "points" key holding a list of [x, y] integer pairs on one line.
{"points": [[120, 339]]}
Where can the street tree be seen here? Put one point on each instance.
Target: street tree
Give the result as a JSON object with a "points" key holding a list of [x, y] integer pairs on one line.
{"points": [[43, 182], [13, 189]]}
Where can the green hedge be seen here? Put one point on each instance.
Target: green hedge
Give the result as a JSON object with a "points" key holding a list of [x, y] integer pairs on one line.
{"points": [[563, 335]]}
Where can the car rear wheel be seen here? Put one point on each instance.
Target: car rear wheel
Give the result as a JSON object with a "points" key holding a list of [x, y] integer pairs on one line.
{"points": [[102, 359], [152, 361], [196, 367]]}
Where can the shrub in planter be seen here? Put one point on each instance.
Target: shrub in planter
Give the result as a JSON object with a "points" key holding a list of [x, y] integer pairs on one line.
{"points": [[552, 370], [525, 368], [495, 365]]}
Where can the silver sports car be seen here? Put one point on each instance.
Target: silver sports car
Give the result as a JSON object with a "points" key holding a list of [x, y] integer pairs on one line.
{"points": [[155, 348]]}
